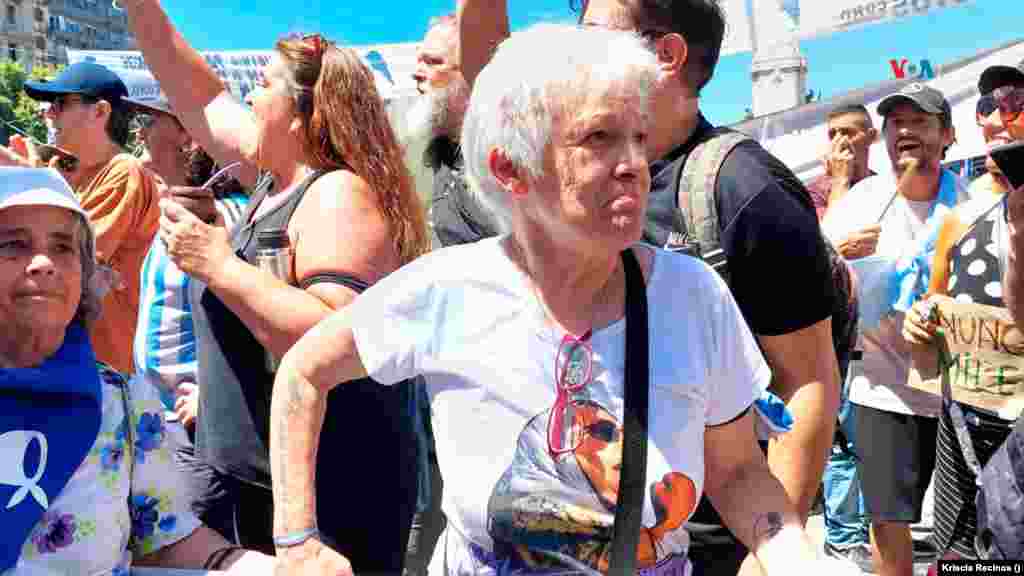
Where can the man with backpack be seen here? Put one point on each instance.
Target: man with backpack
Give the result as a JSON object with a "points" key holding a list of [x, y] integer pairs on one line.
{"points": [[719, 195]]}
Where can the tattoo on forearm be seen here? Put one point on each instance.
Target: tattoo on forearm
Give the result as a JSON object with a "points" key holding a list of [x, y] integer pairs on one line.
{"points": [[288, 415], [767, 526]]}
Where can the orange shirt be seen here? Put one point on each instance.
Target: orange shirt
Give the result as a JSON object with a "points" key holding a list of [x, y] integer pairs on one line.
{"points": [[122, 202]]}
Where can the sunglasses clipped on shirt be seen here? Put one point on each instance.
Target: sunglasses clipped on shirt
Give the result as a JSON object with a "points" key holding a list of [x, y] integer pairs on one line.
{"points": [[574, 369]]}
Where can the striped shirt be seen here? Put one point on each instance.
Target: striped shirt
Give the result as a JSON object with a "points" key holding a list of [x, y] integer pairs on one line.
{"points": [[165, 345]]}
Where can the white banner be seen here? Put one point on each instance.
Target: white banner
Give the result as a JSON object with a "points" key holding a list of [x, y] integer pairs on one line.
{"points": [[801, 19], [820, 17], [392, 67]]}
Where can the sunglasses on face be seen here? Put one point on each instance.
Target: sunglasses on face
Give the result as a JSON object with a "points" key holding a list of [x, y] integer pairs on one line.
{"points": [[63, 102], [145, 121], [1010, 101]]}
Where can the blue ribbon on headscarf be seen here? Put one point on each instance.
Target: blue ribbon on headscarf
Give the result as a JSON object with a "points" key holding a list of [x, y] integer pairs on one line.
{"points": [[913, 270], [49, 419]]}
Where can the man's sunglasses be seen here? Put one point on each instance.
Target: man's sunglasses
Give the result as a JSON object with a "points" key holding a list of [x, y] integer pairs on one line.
{"points": [[1010, 101], [61, 103], [145, 120]]}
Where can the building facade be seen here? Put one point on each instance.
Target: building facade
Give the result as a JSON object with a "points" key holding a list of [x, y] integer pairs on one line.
{"points": [[23, 32], [84, 25]]}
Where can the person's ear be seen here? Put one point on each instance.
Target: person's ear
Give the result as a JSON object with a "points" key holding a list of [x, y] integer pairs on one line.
{"points": [[673, 53], [102, 109], [505, 171], [872, 135]]}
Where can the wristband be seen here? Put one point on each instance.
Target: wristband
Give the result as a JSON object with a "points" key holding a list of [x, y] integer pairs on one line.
{"points": [[293, 539]]}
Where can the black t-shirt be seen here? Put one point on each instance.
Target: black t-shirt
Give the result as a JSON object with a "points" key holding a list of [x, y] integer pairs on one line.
{"points": [[779, 269]]}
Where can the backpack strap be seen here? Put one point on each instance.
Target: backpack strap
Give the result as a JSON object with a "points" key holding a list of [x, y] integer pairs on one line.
{"points": [[697, 201]]}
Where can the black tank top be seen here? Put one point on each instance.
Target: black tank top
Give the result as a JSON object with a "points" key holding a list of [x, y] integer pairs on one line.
{"points": [[366, 477]]}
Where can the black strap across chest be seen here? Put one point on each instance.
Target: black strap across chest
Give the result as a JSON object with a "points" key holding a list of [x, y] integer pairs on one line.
{"points": [[630, 504]]}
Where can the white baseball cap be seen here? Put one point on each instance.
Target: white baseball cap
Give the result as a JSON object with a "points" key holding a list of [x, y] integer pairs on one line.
{"points": [[37, 187]]}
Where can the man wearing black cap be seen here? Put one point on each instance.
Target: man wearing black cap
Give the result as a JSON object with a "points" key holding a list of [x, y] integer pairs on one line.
{"points": [[895, 423], [91, 120]]}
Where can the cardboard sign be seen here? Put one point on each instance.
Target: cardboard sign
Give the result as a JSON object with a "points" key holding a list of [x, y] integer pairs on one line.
{"points": [[986, 358]]}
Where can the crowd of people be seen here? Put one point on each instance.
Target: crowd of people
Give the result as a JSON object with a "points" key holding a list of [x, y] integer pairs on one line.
{"points": [[253, 347]]}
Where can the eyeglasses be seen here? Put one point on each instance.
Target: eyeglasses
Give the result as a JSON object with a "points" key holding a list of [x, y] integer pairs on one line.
{"points": [[574, 369], [144, 120], [316, 41], [62, 103], [1010, 100]]}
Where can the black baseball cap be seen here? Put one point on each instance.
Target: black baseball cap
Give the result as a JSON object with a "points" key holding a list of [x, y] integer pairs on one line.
{"points": [[85, 78], [921, 95], [995, 76]]}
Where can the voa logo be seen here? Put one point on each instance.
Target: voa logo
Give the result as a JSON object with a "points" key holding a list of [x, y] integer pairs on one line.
{"points": [[903, 69]]}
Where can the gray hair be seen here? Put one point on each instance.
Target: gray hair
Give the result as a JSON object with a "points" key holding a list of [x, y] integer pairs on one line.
{"points": [[532, 76], [89, 305]]}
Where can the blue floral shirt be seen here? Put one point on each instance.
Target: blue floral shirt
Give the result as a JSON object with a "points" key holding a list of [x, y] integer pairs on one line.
{"points": [[126, 499]]}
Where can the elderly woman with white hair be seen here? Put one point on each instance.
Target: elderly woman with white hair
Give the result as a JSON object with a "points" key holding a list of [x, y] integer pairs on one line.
{"points": [[87, 485], [522, 341]]}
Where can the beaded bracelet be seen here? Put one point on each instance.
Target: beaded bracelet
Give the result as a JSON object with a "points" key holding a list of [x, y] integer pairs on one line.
{"points": [[293, 539]]}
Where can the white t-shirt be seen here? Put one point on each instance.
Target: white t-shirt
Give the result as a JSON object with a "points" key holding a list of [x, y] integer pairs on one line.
{"points": [[465, 319], [880, 381]]}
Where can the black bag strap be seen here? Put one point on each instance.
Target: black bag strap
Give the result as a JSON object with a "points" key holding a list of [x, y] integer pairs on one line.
{"points": [[629, 507], [956, 414]]}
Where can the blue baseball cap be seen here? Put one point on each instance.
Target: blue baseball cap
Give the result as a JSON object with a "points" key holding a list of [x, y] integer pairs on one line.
{"points": [[85, 78]]}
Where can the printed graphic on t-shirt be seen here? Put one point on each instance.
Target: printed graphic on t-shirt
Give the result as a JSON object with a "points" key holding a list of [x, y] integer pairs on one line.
{"points": [[553, 510]]}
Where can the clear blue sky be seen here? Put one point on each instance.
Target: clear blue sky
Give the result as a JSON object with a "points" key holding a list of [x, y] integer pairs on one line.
{"points": [[837, 63]]}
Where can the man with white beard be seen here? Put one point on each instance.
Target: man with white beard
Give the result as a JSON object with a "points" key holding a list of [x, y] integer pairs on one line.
{"points": [[430, 133], [435, 120]]}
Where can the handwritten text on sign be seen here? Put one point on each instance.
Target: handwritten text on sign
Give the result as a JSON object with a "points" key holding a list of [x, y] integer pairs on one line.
{"points": [[986, 367]]}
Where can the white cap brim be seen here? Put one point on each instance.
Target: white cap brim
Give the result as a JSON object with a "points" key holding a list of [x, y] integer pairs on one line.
{"points": [[37, 187]]}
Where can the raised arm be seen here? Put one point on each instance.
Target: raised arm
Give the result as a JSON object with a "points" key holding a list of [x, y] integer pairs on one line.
{"points": [[483, 24], [321, 359], [214, 119]]}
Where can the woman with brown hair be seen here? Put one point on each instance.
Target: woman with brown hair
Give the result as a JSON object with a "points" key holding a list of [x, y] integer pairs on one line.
{"points": [[333, 179]]}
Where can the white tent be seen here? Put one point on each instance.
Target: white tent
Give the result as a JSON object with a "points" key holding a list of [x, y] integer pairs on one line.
{"points": [[799, 136]]}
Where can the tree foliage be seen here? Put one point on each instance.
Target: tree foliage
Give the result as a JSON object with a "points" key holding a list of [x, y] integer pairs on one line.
{"points": [[15, 106]]}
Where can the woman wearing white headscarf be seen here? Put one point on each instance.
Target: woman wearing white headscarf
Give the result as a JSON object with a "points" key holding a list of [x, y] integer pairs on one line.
{"points": [[87, 484]]}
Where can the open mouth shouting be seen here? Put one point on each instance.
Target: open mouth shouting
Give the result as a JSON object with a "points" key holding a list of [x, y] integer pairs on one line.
{"points": [[909, 146]]}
